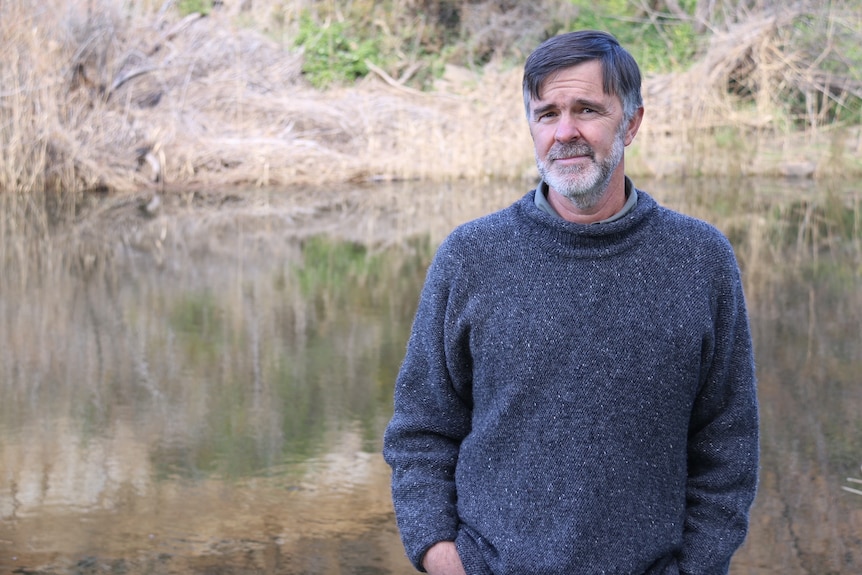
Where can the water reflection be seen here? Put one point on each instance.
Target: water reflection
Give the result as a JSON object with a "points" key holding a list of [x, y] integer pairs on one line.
{"points": [[221, 409], [196, 414], [800, 248]]}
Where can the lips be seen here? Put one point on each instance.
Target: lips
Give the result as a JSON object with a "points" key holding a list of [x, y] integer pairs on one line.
{"points": [[571, 159]]}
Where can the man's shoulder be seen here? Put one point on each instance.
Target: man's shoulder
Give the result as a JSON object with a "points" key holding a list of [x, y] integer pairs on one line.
{"points": [[492, 224], [676, 222], [692, 239]]}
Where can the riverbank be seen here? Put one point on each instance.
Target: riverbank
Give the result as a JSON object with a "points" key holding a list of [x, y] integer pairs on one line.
{"points": [[129, 101]]}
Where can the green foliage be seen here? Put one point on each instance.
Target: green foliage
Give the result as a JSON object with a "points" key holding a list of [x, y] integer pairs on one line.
{"points": [[831, 39], [332, 266], [660, 44], [187, 7], [338, 38], [198, 321], [334, 51]]}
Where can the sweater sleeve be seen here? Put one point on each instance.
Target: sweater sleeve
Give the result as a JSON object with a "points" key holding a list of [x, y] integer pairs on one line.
{"points": [[723, 438], [431, 416]]}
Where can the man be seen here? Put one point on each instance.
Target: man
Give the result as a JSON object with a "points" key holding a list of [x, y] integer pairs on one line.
{"points": [[578, 393]]}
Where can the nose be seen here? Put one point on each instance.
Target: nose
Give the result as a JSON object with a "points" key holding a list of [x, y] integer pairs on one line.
{"points": [[567, 129]]}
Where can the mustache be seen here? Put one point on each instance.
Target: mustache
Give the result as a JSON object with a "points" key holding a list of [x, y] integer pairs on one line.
{"points": [[560, 151]]}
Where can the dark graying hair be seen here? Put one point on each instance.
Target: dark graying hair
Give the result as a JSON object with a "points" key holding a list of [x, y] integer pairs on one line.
{"points": [[620, 73]]}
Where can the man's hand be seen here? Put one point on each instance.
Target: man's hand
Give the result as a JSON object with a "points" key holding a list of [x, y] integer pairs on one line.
{"points": [[442, 559]]}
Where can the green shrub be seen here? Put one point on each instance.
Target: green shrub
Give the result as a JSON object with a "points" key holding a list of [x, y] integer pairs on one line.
{"points": [[662, 44], [187, 7], [333, 52]]}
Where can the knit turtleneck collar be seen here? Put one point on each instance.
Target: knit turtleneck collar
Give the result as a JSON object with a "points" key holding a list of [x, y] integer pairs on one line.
{"points": [[585, 240], [542, 202]]}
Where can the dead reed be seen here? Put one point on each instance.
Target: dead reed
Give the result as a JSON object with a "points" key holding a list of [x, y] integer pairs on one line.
{"points": [[852, 489], [103, 96]]}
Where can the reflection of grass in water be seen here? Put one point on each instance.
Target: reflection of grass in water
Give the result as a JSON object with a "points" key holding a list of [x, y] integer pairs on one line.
{"points": [[330, 334], [806, 283], [197, 318], [333, 271], [362, 302], [801, 255]]}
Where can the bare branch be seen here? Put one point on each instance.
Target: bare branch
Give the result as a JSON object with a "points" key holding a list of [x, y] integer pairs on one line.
{"points": [[123, 78]]}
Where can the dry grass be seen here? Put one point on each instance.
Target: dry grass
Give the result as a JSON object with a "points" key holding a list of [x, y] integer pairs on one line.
{"points": [[206, 103], [98, 96], [732, 113]]}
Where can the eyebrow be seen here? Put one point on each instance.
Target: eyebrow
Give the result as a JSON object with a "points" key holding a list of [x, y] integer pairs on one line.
{"points": [[542, 109], [580, 103]]}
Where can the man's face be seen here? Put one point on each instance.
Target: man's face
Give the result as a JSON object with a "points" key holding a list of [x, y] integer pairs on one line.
{"points": [[578, 133]]}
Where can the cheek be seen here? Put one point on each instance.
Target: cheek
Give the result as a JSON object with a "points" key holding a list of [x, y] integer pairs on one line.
{"points": [[543, 139], [602, 140]]}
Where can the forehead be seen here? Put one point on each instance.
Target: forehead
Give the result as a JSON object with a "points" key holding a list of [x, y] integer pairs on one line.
{"points": [[581, 80]]}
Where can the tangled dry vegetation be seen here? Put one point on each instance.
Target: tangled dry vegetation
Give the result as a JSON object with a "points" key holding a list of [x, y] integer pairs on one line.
{"points": [[100, 96], [755, 105], [102, 102]]}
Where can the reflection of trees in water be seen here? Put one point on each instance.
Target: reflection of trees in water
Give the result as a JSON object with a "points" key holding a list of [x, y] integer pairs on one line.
{"points": [[802, 261], [800, 248], [812, 434], [262, 381], [54, 465], [73, 496], [206, 400], [223, 384], [224, 370]]}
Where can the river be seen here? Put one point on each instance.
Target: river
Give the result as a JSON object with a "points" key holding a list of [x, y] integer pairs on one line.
{"points": [[215, 403]]}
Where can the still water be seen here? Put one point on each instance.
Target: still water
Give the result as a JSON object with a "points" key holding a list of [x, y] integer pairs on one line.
{"points": [[216, 405]]}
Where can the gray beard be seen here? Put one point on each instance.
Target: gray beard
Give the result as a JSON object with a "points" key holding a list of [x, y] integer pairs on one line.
{"points": [[583, 186]]}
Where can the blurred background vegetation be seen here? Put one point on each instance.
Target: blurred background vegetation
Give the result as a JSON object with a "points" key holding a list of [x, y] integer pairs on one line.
{"points": [[414, 40], [122, 96], [664, 35]]}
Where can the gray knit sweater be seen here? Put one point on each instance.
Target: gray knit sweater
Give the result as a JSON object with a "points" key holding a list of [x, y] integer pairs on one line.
{"points": [[578, 398]]}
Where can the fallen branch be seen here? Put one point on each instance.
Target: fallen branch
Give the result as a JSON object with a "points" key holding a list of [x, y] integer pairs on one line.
{"points": [[392, 81], [850, 489], [122, 79]]}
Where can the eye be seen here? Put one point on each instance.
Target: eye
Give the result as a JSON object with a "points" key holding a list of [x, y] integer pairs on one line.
{"points": [[546, 116]]}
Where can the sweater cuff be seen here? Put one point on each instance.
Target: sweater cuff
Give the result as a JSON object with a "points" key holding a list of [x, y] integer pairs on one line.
{"points": [[471, 557], [417, 553]]}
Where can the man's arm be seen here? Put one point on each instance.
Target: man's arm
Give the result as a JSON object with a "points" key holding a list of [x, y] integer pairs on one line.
{"points": [[432, 415], [723, 444]]}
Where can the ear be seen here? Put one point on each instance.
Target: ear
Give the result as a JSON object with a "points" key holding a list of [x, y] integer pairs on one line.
{"points": [[634, 125]]}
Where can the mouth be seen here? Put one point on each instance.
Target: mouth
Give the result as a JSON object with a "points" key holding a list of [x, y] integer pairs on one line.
{"points": [[562, 158], [570, 160], [570, 155]]}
